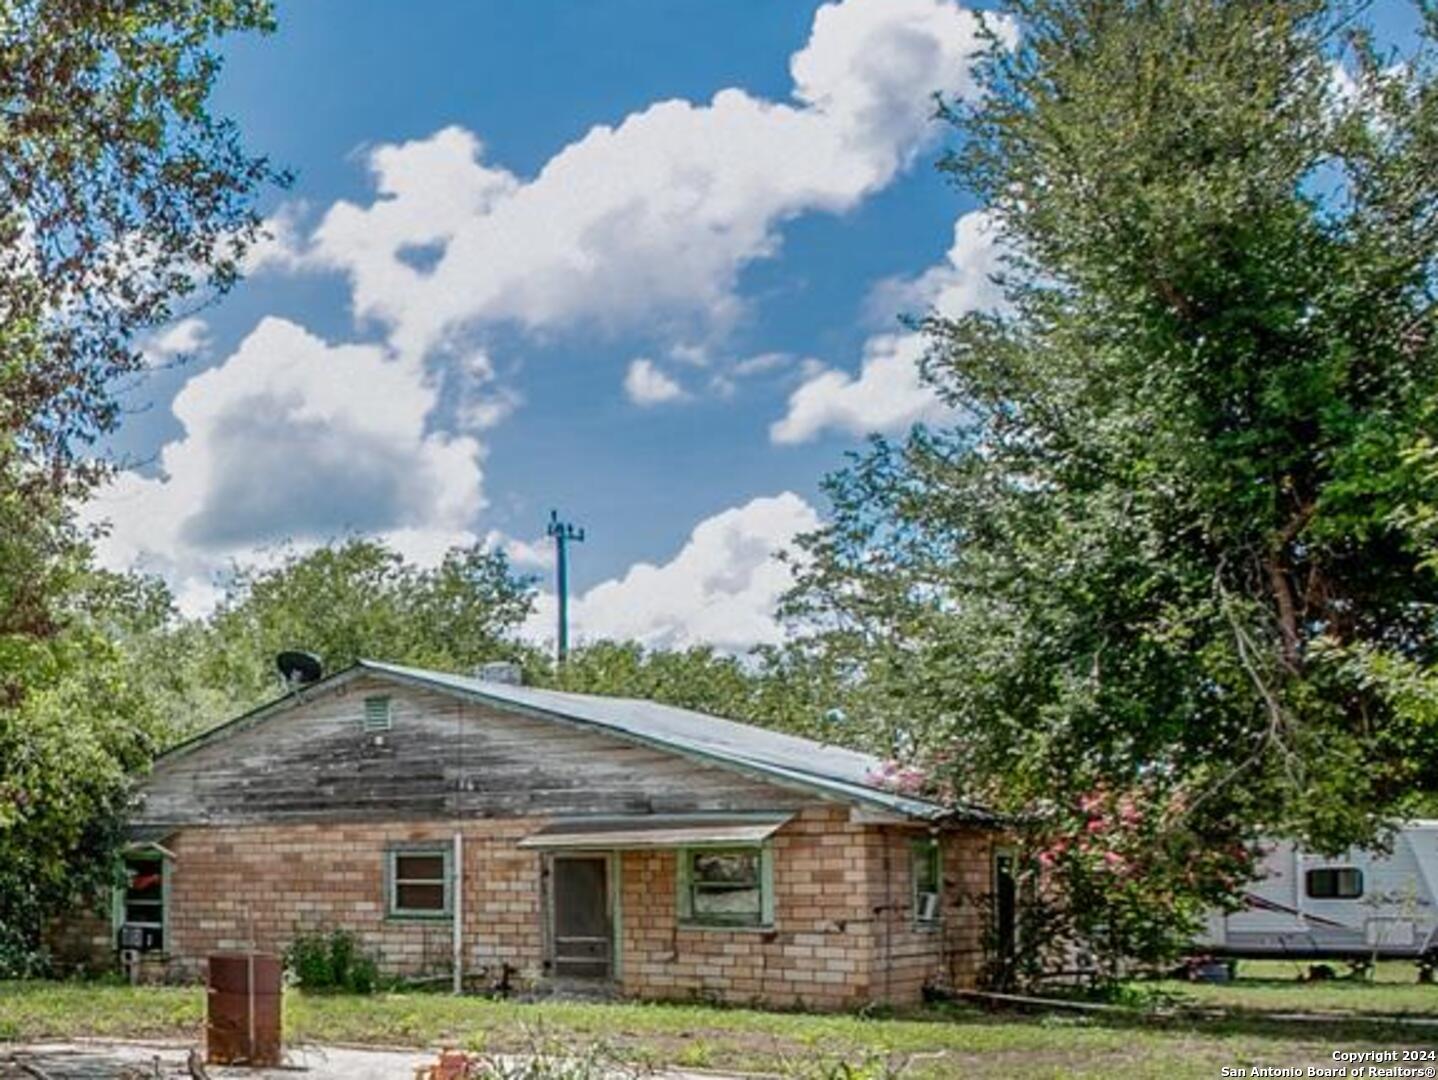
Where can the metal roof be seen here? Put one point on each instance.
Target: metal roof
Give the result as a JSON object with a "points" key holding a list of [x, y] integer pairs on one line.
{"points": [[833, 770]]}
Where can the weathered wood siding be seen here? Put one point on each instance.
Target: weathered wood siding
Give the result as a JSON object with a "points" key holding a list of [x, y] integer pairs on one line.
{"points": [[443, 757]]}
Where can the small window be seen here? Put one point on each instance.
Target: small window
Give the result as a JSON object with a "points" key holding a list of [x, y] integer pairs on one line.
{"points": [[928, 880], [376, 714], [1335, 883], [419, 882], [141, 904], [725, 887]]}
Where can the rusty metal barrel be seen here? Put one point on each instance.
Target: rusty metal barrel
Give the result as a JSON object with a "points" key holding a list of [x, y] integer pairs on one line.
{"points": [[243, 1016]]}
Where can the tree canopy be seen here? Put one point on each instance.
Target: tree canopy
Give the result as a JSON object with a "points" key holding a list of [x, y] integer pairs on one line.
{"points": [[1149, 581], [359, 598], [121, 198], [348, 600]]}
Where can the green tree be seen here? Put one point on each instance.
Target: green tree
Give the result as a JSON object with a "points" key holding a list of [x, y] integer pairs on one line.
{"points": [[352, 599], [121, 198], [696, 678], [1145, 565], [70, 750]]}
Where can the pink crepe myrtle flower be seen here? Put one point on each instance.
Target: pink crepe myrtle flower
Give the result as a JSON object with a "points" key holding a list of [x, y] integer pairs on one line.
{"points": [[1091, 803], [1128, 811], [883, 775], [907, 779]]}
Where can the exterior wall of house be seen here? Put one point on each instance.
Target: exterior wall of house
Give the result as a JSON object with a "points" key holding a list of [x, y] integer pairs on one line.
{"points": [[291, 879], [82, 942], [843, 930]]}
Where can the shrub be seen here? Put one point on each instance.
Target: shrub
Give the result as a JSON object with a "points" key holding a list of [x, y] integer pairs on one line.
{"points": [[331, 961]]}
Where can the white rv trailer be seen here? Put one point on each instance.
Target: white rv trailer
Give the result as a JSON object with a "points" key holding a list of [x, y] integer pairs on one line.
{"points": [[1361, 905]]}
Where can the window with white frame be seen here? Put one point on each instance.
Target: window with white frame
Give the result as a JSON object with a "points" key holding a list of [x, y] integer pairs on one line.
{"points": [[418, 882], [730, 886], [928, 879]]}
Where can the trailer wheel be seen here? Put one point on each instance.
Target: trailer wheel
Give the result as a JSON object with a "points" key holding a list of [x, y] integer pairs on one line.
{"points": [[1426, 965]]}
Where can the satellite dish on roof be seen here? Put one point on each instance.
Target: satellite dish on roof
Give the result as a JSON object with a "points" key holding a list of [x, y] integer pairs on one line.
{"points": [[298, 668]]}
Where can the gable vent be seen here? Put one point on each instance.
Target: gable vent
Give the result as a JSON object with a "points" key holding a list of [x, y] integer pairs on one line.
{"points": [[376, 714]]}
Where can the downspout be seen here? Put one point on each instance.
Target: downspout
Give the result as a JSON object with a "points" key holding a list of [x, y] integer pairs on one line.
{"points": [[458, 860], [458, 912], [888, 916]]}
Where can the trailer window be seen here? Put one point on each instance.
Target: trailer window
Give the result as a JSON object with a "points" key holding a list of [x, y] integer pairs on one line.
{"points": [[1335, 883]]}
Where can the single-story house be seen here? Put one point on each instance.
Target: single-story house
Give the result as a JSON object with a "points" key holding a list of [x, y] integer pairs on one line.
{"points": [[533, 839]]}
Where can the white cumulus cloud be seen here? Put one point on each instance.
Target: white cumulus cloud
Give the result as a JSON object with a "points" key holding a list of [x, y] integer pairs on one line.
{"points": [[652, 219], [720, 589], [888, 394], [292, 439], [526, 555], [189, 337], [645, 384]]}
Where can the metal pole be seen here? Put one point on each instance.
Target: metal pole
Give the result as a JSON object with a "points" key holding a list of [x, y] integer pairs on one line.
{"points": [[562, 532], [561, 542]]}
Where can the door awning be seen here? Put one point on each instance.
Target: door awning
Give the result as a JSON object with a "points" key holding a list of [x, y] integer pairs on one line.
{"points": [[149, 838], [624, 834]]}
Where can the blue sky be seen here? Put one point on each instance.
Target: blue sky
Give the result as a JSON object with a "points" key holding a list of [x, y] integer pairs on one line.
{"points": [[531, 259]]}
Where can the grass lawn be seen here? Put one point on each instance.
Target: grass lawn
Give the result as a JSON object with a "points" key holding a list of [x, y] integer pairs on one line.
{"points": [[1274, 986], [936, 1043]]}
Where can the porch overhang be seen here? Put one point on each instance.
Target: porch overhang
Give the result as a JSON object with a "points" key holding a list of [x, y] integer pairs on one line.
{"points": [[649, 831], [149, 839]]}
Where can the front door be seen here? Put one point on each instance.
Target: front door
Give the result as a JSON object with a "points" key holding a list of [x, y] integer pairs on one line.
{"points": [[583, 927]]}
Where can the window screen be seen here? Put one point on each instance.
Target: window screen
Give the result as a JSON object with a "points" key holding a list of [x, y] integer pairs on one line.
{"points": [[145, 892], [140, 905], [419, 882], [724, 887], [928, 880]]}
